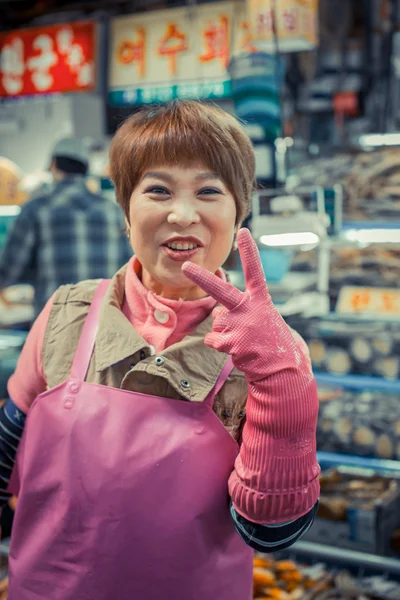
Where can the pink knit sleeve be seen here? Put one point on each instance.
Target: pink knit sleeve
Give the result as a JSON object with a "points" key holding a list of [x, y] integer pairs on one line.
{"points": [[275, 479], [28, 380]]}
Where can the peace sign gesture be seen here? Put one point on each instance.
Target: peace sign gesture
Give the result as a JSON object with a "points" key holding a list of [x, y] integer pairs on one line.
{"points": [[222, 291], [246, 325]]}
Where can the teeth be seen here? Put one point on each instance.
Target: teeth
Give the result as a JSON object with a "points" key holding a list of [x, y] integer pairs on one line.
{"points": [[183, 246]]}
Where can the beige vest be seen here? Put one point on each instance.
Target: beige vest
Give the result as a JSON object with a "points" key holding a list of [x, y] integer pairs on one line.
{"points": [[122, 359]]}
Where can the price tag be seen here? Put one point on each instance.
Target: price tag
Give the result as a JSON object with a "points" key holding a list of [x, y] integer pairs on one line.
{"points": [[369, 301], [346, 103]]}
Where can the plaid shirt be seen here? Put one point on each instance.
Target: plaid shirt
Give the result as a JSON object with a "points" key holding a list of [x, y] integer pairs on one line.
{"points": [[64, 236]]}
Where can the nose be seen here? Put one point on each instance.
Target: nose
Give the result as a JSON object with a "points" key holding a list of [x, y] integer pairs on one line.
{"points": [[183, 213]]}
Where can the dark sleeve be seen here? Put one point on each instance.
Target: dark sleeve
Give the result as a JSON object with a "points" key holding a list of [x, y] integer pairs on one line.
{"points": [[12, 422], [271, 538]]}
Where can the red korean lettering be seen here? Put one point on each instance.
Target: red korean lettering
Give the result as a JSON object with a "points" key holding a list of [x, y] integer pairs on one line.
{"points": [[290, 20], [12, 186], [246, 41], [265, 22], [171, 45], [216, 38], [361, 300], [390, 302], [129, 52]]}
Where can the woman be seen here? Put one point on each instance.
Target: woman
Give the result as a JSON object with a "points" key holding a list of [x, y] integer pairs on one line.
{"points": [[137, 434]]}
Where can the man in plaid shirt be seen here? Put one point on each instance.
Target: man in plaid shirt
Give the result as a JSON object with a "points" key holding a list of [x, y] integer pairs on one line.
{"points": [[65, 235]]}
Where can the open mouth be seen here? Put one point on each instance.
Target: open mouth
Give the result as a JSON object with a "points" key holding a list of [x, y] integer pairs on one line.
{"points": [[181, 246], [182, 249]]}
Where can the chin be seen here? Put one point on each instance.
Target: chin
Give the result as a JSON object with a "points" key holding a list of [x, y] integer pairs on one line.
{"points": [[175, 278]]}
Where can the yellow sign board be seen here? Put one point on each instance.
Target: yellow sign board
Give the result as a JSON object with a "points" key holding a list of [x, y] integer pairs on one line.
{"points": [[185, 52], [295, 23], [165, 54], [10, 183], [368, 301]]}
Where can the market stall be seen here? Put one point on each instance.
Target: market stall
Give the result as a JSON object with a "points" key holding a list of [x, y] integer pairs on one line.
{"points": [[326, 218]]}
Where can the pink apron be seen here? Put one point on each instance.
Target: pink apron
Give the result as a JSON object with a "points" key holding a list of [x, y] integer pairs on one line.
{"points": [[123, 495]]}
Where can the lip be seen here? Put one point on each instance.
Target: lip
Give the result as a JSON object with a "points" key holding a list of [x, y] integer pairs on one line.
{"points": [[180, 255], [184, 240]]}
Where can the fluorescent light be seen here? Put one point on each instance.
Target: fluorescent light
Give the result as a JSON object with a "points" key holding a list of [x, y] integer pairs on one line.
{"points": [[373, 236], [9, 210], [378, 139], [302, 238]]}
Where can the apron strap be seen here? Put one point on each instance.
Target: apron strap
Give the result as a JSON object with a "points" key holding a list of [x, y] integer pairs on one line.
{"points": [[222, 377], [85, 347]]}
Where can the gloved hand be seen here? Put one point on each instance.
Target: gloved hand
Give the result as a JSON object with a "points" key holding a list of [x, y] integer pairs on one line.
{"points": [[276, 472]]}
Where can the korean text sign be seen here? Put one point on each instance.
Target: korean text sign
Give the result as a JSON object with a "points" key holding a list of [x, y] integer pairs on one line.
{"points": [[182, 52], [295, 23], [41, 60], [369, 301], [170, 53]]}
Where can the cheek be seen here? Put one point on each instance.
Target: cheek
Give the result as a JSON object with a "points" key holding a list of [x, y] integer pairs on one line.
{"points": [[221, 225], [224, 220], [144, 220]]}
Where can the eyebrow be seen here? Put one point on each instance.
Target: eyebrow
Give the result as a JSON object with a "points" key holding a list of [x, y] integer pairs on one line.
{"points": [[210, 175], [169, 178], [158, 175]]}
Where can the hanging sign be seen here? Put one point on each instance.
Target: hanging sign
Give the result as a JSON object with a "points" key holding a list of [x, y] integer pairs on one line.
{"points": [[256, 79], [176, 53], [10, 183], [369, 301], [42, 60], [295, 23], [184, 52]]}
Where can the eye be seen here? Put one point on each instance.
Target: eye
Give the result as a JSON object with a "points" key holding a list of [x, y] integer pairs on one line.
{"points": [[209, 191], [157, 190]]}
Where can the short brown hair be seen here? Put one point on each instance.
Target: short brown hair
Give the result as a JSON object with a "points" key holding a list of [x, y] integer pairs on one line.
{"points": [[183, 132]]}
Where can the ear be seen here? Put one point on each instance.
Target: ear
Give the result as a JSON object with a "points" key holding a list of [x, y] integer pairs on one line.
{"points": [[235, 232], [237, 227]]}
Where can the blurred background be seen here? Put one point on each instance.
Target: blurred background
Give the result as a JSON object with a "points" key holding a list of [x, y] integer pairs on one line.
{"points": [[317, 86]]}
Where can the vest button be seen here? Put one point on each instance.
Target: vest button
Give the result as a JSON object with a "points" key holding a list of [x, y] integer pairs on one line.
{"points": [[185, 384], [159, 361], [161, 317], [68, 401]]}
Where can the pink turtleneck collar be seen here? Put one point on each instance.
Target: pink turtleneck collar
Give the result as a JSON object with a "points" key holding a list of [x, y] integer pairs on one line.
{"points": [[161, 321]]}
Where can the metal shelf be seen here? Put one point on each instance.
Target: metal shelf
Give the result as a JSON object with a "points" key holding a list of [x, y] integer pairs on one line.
{"points": [[340, 557], [328, 460], [370, 225], [358, 382]]}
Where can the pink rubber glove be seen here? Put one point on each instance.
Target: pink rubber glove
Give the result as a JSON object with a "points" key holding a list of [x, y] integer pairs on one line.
{"points": [[276, 473]]}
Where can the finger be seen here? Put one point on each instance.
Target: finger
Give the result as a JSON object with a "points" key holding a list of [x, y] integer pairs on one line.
{"points": [[213, 340], [222, 291], [220, 318], [219, 313], [251, 263]]}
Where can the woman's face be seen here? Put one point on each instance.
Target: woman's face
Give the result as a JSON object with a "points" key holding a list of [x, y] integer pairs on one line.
{"points": [[179, 214]]}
